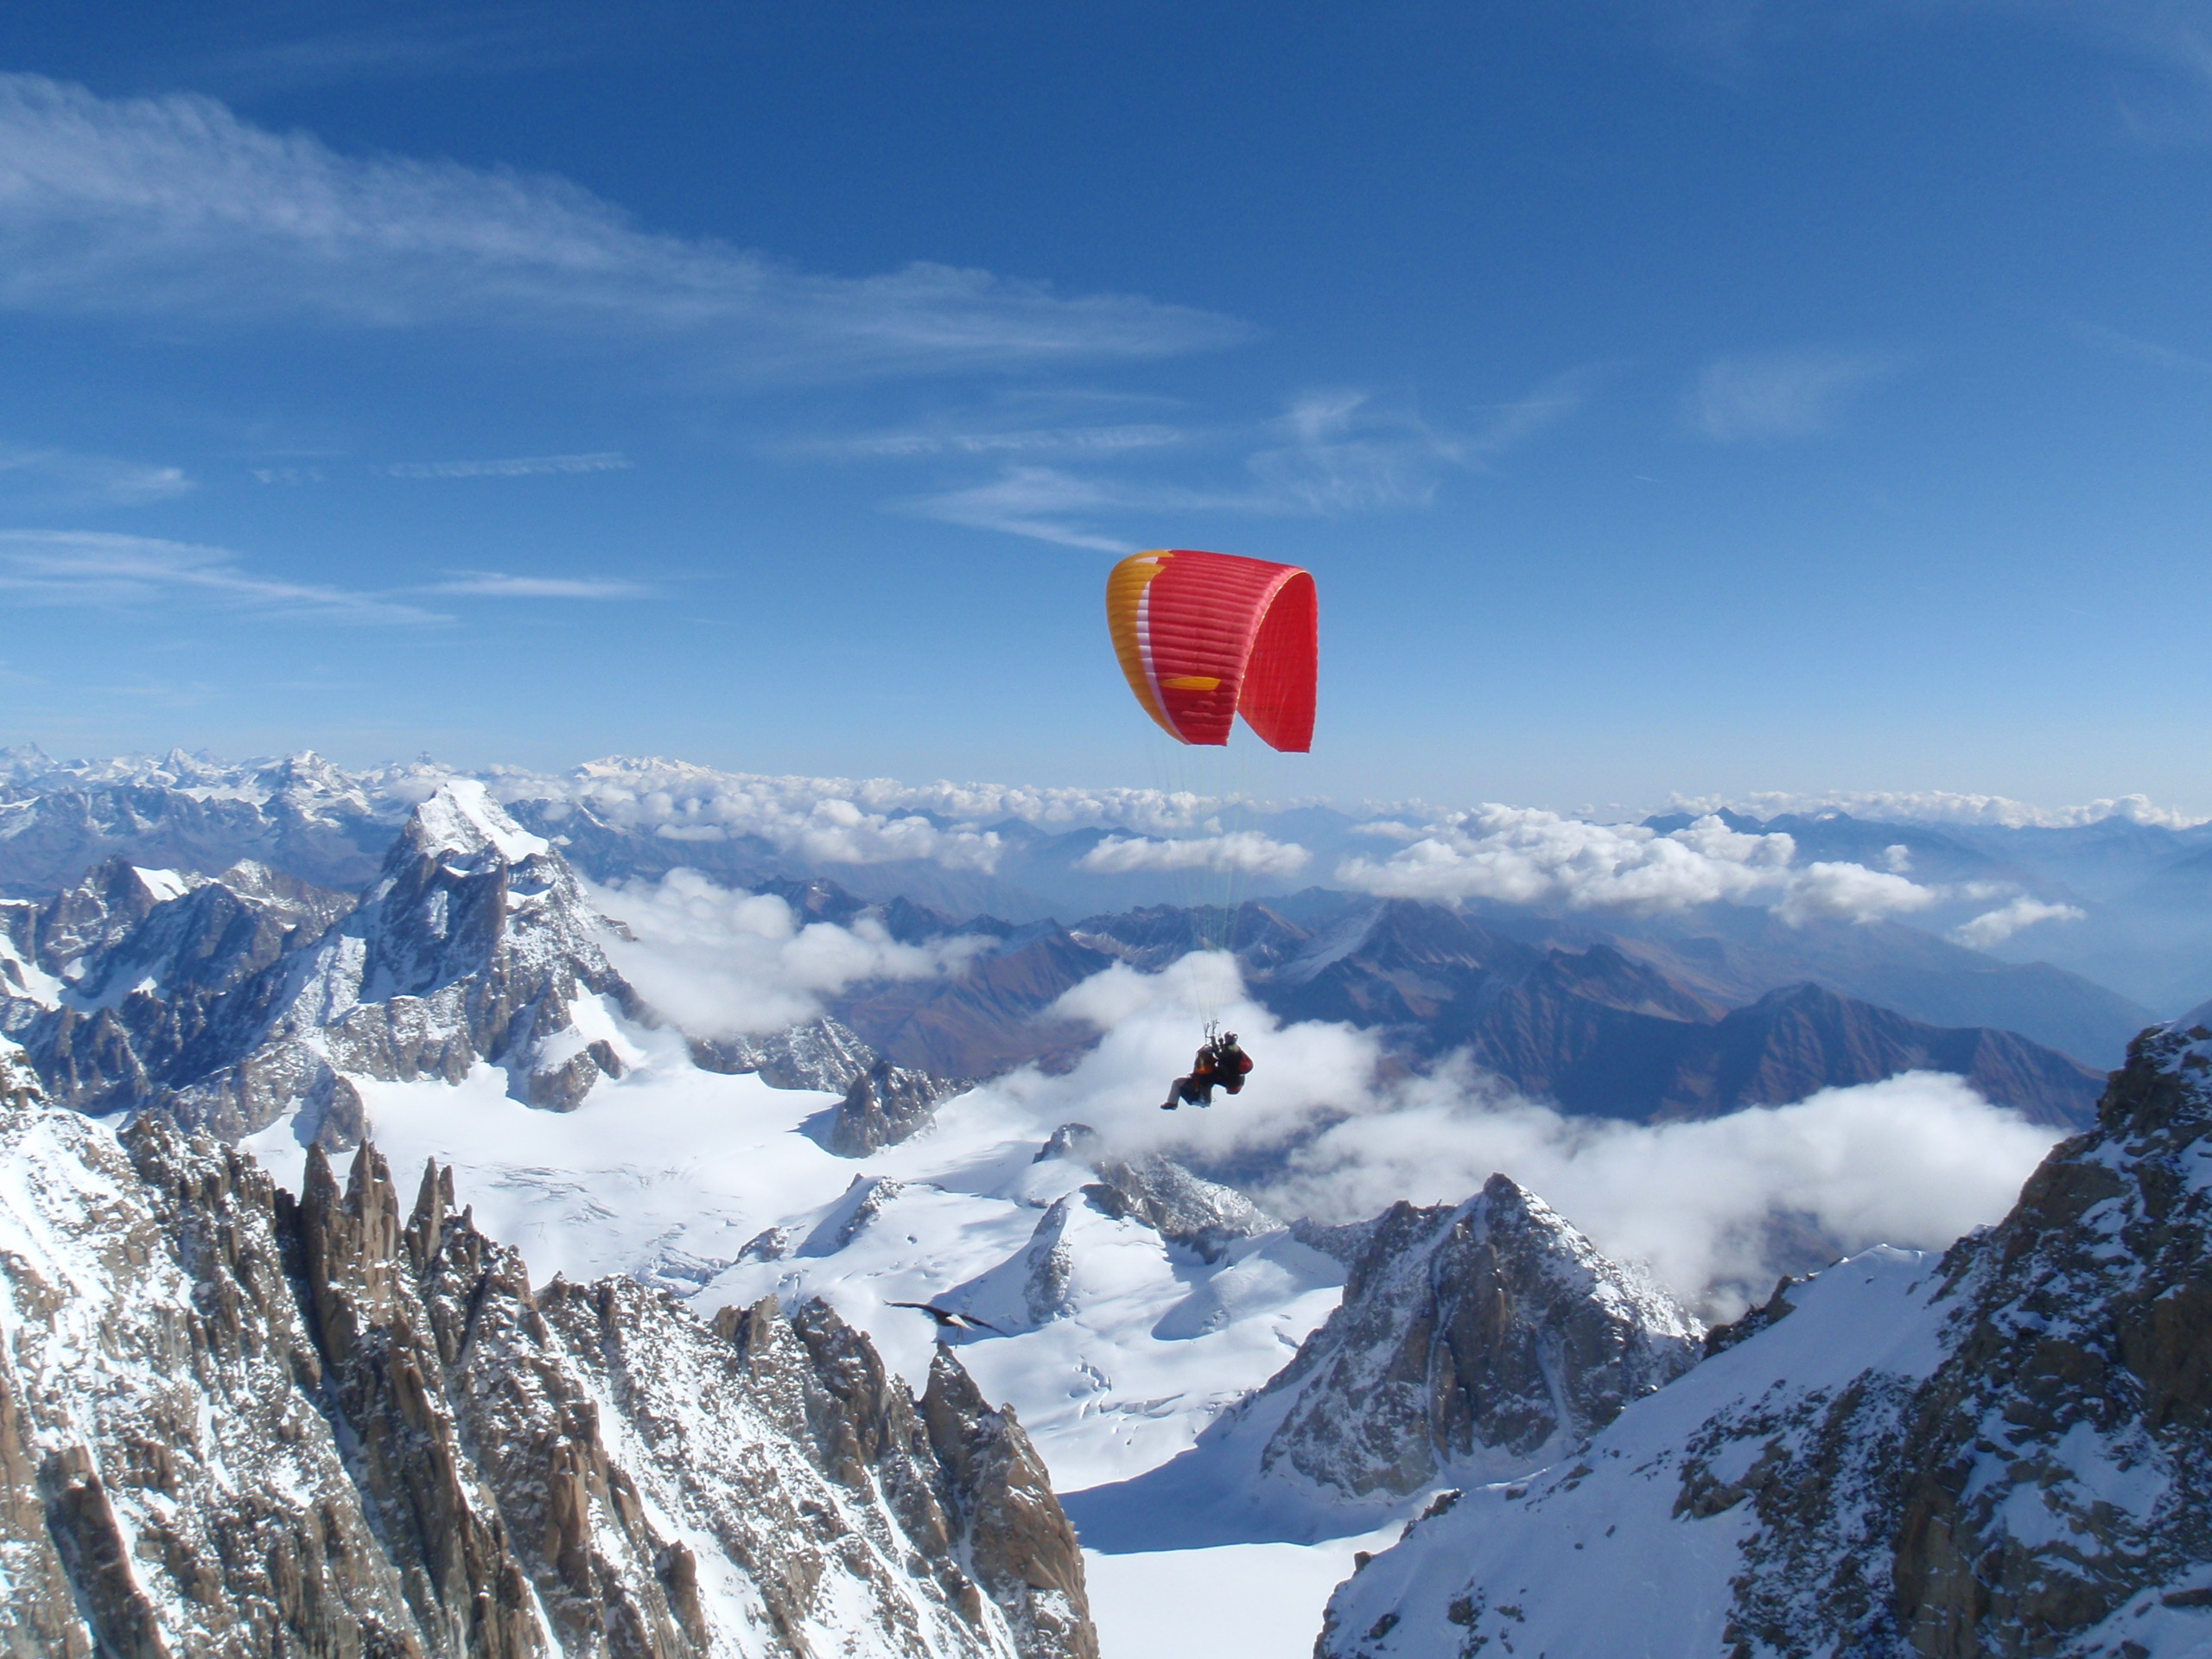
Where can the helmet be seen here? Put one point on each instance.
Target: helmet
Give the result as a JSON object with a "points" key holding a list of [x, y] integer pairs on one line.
{"points": [[1229, 1037]]}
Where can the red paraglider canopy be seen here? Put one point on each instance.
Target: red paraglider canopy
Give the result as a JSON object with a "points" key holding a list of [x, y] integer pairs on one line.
{"points": [[1204, 637]]}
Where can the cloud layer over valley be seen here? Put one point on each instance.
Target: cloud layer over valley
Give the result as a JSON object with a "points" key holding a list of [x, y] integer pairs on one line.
{"points": [[1716, 1209]]}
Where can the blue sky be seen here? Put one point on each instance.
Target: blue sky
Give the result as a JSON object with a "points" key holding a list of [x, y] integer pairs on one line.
{"points": [[1668, 398]]}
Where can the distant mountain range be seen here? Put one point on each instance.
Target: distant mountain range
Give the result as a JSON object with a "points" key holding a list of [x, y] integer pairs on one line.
{"points": [[1683, 1015]]}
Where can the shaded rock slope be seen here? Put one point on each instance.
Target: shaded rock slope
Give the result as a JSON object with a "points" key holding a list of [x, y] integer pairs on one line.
{"points": [[1488, 1334], [236, 1424], [2003, 1453], [1474, 1342]]}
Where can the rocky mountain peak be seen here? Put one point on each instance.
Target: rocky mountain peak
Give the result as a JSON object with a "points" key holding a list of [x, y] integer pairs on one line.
{"points": [[2004, 1454], [475, 944], [306, 781], [1482, 1337], [884, 1105], [462, 821], [235, 1422]]}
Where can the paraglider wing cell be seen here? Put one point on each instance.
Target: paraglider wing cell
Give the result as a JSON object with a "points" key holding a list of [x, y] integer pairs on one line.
{"points": [[1202, 636]]}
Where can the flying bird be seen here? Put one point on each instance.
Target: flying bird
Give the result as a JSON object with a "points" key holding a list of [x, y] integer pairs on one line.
{"points": [[947, 1320]]}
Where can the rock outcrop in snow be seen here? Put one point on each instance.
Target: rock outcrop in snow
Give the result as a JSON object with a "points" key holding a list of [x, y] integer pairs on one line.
{"points": [[2007, 1452], [1153, 1188], [884, 1105], [235, 1424], [1481, 1338], [821, 1054]]}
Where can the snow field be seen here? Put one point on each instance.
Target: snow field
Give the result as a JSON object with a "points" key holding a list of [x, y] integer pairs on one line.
{"points": [[1239, 1601]]}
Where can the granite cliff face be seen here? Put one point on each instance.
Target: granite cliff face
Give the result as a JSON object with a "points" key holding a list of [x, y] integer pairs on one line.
{"points": [[1475, 1338], [2002, 1453], [233, 1423]]}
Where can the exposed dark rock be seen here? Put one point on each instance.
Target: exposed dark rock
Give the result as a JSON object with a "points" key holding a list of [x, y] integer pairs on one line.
{"points": [[1182, 1208], [883, 1106], [252, 1426], [820, 1054], [1491, 1333], [1011, 1531], [1752, 1321]]}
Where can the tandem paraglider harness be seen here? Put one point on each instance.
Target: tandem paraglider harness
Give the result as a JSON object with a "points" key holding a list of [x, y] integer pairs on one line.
{"points": [[1220, 1065]]}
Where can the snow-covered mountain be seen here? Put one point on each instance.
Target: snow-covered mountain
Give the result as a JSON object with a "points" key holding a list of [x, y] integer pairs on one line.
{"points": [[1121, 1303], [233, 1000], [2003, 1451], [1473, 1342], [233, 1422], [741, 1096]]}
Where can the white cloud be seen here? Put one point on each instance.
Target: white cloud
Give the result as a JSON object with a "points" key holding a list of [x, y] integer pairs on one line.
{"points": [[924, 441], [1995, 926], [1036, 502], [721, 962], [62, 477], [1522, 856], [517, 466], [496, 584], [848, 820], [173, 206], [1940, 806], [830, 821], [1850, 893], [1779, 395], [84, 566], [1330, 453], [2139, 350], [1247, 850], [1914, 1161]]}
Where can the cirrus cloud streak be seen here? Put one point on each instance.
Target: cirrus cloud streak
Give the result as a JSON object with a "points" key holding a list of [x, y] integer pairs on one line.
{"points": [[173, 206]]}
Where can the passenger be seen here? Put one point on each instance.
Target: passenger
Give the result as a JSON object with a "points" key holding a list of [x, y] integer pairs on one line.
{"points": [[1220, 1063]]}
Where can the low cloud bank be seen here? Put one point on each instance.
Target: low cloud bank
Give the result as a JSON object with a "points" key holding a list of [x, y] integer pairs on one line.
{"points": [[1246, 851], [863, 820], [1942, 806], [1994, 927], [1522, 856], [1716, 1209], [1525, 856], [722, 964]]}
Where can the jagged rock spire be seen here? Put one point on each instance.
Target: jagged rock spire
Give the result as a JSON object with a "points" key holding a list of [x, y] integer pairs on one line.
{"points": [[1487, 1335]]}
